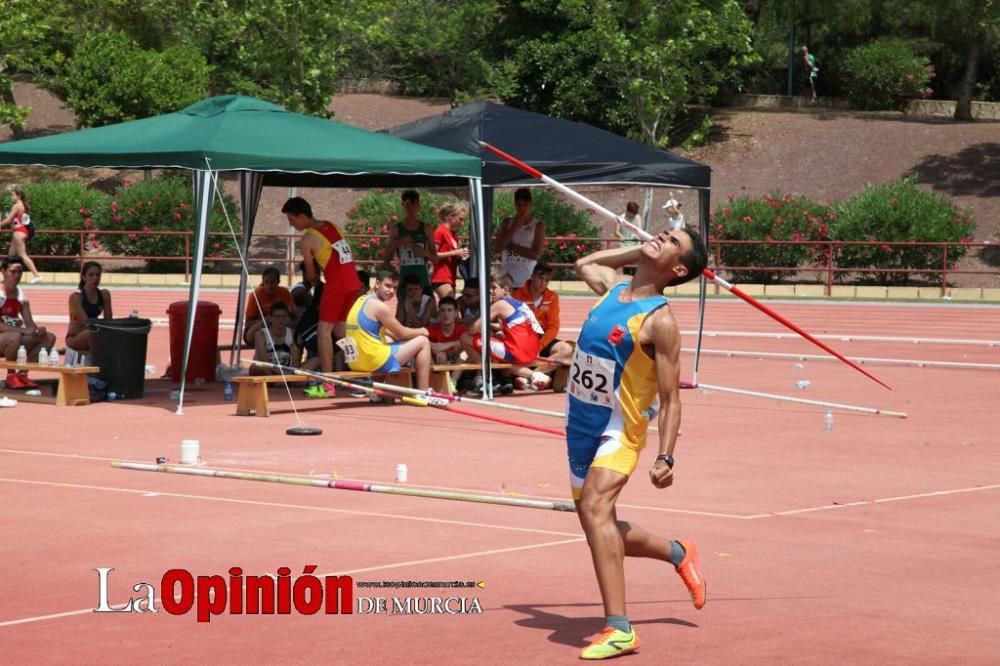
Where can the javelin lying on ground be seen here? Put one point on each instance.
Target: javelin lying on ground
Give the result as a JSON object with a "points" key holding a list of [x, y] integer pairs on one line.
{"points": [[708, 273], [417, 399], [363, 486]]}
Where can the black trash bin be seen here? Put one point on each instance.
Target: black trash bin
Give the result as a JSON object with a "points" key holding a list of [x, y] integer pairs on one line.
{"points": [[118, 348]]}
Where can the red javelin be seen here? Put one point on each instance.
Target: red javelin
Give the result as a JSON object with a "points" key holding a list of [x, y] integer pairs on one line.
{"points": [[708, 273]]}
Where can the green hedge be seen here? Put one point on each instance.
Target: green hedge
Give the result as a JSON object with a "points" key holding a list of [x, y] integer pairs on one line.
{"points": [[899, 211], [773, 217], [64, 205], [885, 74], [163, 204]]}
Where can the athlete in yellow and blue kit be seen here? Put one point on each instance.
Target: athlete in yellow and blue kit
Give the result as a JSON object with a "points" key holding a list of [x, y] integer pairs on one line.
{"points": [[370, 325], [627, 354]]}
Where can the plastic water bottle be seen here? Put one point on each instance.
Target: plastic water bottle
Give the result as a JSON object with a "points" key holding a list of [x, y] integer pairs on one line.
{"points": [[22, 355], [828, 421], [112, 396], [228, 392], [43, 356], [803, 384], [134, 314], [54, 357]]}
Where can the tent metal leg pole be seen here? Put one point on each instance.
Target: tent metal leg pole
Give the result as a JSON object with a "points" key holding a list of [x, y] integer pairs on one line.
{"points": [[482, 250], [204, 207], [704, 205]]}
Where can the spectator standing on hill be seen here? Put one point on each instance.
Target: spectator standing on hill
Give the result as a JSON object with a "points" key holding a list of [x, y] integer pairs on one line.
{"points": [[411, 240], [449, 253], [520, 239], [812, 71], [23, 230], [323, 244], [88, 302], [17, 327]]}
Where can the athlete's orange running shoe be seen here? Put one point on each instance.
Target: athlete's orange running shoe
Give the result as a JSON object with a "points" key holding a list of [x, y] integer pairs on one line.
{"points": [[690, 573]]}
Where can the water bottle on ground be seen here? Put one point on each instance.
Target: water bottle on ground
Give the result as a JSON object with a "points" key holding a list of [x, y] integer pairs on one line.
{"points": [[22, 355], [112, 396], [43, 356], [228, 392], [828, 421], [803, 384]]}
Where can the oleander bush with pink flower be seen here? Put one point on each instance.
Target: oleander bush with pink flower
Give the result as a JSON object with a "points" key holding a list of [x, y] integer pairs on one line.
{"points": [[899, 211], [164, 204], [774, 217]]}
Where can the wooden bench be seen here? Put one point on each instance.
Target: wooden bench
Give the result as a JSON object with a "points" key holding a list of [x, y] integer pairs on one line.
{"points": [[72, 390], [440, 380], [251, 397]]}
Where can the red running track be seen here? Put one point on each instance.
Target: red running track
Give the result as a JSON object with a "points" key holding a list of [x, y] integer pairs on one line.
{"points": [[867, 544]]}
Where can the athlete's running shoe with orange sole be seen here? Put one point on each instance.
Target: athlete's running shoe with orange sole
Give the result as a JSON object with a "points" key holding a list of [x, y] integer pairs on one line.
{"points": [[690, 572], [611, 643]]}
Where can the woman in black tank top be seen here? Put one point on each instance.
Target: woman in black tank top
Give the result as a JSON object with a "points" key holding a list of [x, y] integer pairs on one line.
{"points": [[87, 303]]}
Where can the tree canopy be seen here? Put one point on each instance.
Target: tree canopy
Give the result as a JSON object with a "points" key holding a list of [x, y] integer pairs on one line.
{"points": [[630, 66]]}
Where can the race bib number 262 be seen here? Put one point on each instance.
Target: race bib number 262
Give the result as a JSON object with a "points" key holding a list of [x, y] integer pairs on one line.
{"points": [[591, 379]]}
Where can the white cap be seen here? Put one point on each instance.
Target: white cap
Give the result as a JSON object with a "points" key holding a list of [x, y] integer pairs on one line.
{"points": [[671, 202]]}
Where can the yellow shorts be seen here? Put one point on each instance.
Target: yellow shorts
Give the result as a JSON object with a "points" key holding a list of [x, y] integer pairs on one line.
{"points": [[618, 455]]}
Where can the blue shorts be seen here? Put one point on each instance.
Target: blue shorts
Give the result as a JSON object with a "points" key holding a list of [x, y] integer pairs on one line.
{"points": [[615, 453], [392, 363]]}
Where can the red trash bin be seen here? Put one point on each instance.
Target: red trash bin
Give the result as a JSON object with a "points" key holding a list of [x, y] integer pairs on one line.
{"points": [[204, 340]]}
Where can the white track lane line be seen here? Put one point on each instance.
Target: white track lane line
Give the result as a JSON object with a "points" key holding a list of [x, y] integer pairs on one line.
{"points": [[381, 567], [900, 498]]}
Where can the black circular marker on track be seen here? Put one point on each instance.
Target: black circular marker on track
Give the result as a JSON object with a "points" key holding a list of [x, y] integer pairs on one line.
{"points": [[303, 431]]}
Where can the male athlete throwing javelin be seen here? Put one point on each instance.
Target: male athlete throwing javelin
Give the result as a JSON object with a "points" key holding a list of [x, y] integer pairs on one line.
{"points": [[627, 354]]}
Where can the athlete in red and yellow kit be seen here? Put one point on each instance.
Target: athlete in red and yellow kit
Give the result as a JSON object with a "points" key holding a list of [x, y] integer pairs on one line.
{"points": [[324, 244]]}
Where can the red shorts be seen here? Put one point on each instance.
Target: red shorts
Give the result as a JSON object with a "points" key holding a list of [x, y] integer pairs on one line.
{"points": [[500, 351], [334, 306]]}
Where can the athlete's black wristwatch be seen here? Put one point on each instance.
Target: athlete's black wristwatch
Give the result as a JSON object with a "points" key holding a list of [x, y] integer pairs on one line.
{"points": [[667, 459]]}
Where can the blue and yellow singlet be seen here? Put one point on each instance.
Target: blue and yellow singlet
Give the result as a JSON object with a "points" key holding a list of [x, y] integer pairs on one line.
{"points": [[365, 346], [611, 384]]}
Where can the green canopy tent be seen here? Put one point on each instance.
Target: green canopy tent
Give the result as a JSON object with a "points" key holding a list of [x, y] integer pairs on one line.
{"points": [[266, 145]]}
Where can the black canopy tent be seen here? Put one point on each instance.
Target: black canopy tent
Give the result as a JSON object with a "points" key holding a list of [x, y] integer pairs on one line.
{"points": [[570, 152]]}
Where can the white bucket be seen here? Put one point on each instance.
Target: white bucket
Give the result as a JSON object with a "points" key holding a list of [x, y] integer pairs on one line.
{"points": [[190, 453]]}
